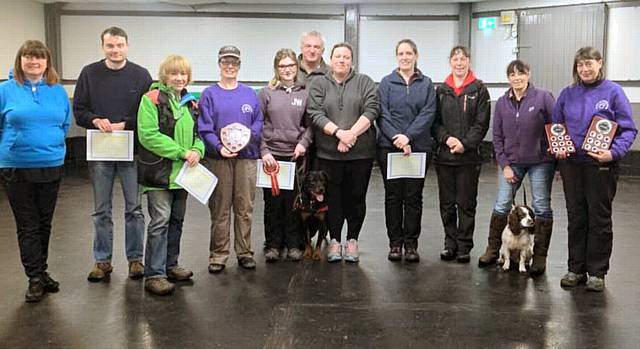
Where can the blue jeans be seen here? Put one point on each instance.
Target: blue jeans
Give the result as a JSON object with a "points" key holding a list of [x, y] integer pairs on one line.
{"points": [[540, 177], [166, 216], [103, 174]]}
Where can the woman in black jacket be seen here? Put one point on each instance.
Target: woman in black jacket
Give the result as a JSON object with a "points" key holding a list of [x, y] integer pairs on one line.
{"points": [[462, 120]]}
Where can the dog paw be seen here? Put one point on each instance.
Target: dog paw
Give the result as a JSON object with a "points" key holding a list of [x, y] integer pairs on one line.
{"points": [[317, 256], [505, 267]]}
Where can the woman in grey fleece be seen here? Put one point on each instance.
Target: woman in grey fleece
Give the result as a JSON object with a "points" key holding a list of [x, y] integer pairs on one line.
{"points": [[342, 106], [285, 137]]}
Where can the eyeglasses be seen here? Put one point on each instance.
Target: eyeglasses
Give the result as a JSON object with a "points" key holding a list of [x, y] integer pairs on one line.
{"points": [[285, 66], [229, 63]]}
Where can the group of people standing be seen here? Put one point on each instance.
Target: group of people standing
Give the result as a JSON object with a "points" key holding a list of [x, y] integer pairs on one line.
{"points": [[317, 115]]}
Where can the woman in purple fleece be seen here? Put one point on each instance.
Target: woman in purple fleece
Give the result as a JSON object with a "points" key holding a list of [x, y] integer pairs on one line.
{"points": [[521, 149], [589, 178]]}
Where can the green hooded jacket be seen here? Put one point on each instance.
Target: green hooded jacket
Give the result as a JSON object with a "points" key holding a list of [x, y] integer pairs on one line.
{"points": [[152, 139]]}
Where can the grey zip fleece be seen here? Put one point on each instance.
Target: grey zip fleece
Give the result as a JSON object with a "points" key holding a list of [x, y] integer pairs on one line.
{"points": [[343, 104]]}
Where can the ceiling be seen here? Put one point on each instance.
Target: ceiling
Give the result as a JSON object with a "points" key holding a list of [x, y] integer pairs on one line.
{"points": [[296, 2]]}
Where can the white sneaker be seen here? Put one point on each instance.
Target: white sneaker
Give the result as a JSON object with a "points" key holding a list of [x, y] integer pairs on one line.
{"points": [[335, 251], [351, 254]]}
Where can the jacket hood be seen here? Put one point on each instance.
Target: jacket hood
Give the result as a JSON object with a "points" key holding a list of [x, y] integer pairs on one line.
{"points": [[471, 77], [184, 98]]}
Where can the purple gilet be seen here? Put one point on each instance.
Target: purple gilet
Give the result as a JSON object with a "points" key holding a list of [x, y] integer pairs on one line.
{"points": [[578, 104], [518, 128], [219, 108]]}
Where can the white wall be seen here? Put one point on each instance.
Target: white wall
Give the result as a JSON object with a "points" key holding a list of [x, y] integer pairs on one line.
{"points": [[16, 27]]}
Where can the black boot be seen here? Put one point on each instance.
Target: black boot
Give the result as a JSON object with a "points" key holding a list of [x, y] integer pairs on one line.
{"points": [[496, 226], [35, 290], [542, 239]]}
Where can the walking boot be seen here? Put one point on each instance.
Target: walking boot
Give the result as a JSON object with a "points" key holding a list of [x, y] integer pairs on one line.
{"points": [[496, 226], [542, 232]]}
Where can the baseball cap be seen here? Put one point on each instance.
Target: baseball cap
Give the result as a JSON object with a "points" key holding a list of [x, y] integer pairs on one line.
{"points": [[228, 51]]}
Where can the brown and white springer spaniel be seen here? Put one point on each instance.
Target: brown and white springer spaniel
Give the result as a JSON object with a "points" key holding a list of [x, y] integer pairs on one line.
{"points": [[517, 238]]}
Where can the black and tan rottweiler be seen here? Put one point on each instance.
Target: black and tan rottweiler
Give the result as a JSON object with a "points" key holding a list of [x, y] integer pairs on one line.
{"points": [[312, 206]]}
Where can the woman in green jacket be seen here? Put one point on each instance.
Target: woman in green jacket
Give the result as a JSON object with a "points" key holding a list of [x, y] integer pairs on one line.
{"points": [[166, 130]]}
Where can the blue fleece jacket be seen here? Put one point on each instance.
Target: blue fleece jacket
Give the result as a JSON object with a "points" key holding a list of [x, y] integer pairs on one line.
{"points": [[34, 120], [578, 104], [406, 109]]}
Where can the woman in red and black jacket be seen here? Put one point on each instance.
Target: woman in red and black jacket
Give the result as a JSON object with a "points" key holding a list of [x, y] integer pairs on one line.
{"points": [[462, 120]]}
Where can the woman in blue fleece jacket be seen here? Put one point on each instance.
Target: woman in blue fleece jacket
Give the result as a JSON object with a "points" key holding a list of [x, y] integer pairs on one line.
{"points": [[34, 119], [407, 110]]}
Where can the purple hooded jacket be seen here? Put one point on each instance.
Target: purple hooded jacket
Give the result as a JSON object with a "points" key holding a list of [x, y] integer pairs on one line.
{"points": [[578, 104], [519, 137]]}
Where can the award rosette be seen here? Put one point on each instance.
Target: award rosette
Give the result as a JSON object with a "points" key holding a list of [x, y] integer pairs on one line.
{"points": [[235, 136], [558, 139], [600, 134], [272, 171]]}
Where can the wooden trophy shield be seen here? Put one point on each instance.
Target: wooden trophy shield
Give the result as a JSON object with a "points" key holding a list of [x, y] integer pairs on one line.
{"points": [[235, 137], [558, 139], [600, 134]]}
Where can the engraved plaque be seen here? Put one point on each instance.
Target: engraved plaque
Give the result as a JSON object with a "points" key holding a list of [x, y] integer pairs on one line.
{"points": [[235, 137], [601, 133], [558, 138]]}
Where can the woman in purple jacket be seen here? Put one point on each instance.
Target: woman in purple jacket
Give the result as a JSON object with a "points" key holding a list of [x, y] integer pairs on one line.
{"points": [[520, 145], [285, 137], [590, 178]]}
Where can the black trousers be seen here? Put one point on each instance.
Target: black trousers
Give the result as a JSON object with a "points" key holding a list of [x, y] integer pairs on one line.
{"points": [[589, 190], [282, 225], [32, 195], [402, 205], [458, 191], [347, 192]]}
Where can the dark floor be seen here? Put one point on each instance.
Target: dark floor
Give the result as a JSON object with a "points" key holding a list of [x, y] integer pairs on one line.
{"points": [[375, 304]]}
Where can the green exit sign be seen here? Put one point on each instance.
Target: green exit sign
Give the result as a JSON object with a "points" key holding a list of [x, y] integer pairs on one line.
{"points": [[485, 23]]}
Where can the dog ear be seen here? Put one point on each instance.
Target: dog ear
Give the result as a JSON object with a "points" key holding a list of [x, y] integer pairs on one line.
{"points": [[514, 222], [324, 175]]}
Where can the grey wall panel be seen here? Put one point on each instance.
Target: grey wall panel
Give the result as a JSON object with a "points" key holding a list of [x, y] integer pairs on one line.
{"points": [[636, 117], [550, 37]]}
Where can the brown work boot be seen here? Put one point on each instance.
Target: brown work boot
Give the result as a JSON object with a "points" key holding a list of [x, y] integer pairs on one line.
{"points": [[542, 239], [159, 286], [136, 270], [179, 273], [100, 271], [496, 226]]}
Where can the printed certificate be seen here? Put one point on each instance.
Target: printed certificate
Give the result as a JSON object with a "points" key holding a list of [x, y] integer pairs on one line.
{"points": [[412, 166], [286, 176], [197, 181], [109, 146]]}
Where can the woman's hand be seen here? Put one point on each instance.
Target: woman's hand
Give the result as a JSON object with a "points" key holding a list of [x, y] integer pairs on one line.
{"points": [[601, 156], [347, 137], [343, 148], [400, 141], [192, 158], [508, 174], [226, 153], [299, 151], [269, 161], [455, 146], [561, 155]]}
